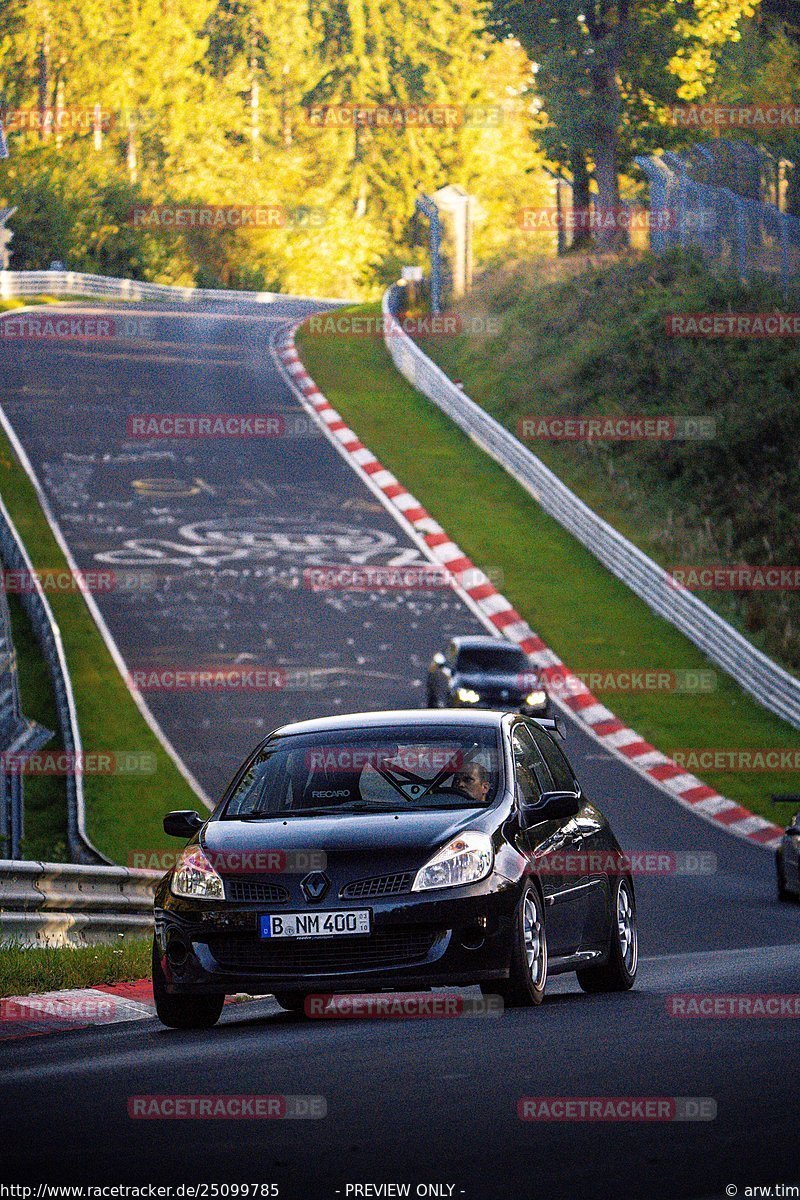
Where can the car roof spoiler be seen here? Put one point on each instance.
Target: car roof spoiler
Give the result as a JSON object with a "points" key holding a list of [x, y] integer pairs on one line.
{"points": [[552, 725], [787, 798]]}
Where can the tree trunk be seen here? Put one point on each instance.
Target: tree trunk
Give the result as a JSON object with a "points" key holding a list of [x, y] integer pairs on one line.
{"points": [[44, 83], [611, 233], [581, 199]]}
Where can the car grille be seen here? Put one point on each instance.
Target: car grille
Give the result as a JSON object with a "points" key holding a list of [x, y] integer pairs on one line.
{"points": [[379, 885], [491, 695], [387, 947], [250, 891]]}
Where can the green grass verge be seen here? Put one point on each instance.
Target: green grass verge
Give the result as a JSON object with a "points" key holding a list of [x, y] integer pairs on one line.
{"points": [[26, 969], [123, 812], [23, 301], [591, 620]]}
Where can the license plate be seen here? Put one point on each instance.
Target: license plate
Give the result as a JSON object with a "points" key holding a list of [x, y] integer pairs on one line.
{"points": [[343, 923]]}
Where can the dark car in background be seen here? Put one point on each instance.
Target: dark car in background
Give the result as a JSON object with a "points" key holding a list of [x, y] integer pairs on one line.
{"points": [[452, 848], [486, 672]]}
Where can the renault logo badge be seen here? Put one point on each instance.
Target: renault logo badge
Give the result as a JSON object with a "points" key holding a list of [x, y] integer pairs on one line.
{"points": [[315, 886]]}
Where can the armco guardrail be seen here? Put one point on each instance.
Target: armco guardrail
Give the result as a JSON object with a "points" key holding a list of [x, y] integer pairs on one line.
{"points": [[74, 283], [63, 903], [764, 679], [15, 557]]}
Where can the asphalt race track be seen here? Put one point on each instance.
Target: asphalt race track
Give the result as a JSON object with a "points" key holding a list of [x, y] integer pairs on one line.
{"points": [[219, 534]]}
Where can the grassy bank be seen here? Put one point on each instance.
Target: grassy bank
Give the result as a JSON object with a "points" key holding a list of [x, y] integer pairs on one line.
{"points": [[33, 969], [588, 617], [591, 340], [123, 811]]}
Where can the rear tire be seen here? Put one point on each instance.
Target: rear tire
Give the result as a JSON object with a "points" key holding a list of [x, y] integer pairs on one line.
{"points": [[528, 978], [618, 974], [182, 1012]]}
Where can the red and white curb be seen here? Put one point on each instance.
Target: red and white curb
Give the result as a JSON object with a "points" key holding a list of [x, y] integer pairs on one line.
{"points": [[80, 1008], [499, 615], [75, 1008]]}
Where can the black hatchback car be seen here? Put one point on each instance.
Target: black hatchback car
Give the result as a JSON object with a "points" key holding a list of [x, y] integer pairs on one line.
{"points": [[394, 851], [486, 672]]}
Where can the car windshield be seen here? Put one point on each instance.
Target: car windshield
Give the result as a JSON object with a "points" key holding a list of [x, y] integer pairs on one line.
{"points": [[490, 659], [393, 769]]}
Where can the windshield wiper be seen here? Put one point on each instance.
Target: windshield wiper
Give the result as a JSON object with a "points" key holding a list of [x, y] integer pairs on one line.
{"points": [[283, 813]]}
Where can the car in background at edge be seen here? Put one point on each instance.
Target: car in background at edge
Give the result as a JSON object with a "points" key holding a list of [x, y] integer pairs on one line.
{"points": [[787, 855], [486, 672], [459, 849]]}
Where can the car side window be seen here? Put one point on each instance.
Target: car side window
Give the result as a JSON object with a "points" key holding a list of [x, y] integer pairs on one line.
{"points": [[529, 768], [250, 781], [563, 777]]}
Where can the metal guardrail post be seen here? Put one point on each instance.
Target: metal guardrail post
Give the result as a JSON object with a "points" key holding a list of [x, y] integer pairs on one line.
{"points": [[741, 238], [427, 206]]}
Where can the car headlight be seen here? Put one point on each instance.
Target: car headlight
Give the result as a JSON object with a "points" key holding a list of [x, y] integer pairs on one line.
{"points": [[195, 878], [468, 858], [536, 699], [468, 696]]}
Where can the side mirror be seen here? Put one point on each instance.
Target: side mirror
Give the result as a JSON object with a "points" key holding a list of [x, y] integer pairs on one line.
{"points": [[553, 806], [183, 823], [438, 658]]}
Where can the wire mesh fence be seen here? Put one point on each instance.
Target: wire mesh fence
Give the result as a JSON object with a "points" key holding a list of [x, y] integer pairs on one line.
{"points": [[719, 201]]}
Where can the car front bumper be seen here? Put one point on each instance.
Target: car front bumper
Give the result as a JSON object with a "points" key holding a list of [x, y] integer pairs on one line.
{"points": [[417, 941]]}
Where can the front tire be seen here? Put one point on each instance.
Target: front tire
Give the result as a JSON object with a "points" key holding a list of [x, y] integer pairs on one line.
{"points": [[528, 978], [618, 974], [783, 892], [182, 1012]]}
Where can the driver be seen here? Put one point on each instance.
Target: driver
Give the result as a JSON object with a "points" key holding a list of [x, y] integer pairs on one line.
{"points": [[472, 780]]}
